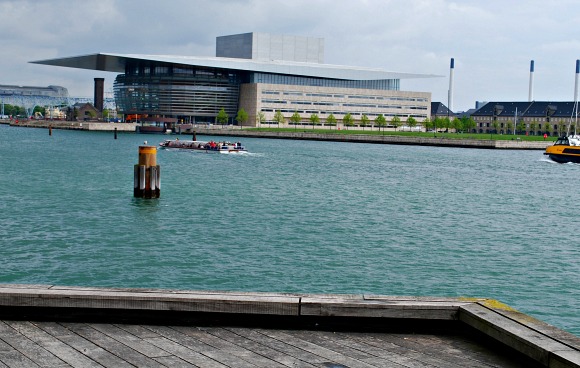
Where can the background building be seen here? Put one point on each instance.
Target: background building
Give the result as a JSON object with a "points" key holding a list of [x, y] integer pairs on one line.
{"points": [[534, 118], [258, 72]]}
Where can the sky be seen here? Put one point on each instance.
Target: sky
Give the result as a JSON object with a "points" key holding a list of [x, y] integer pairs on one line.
{"points": [[491, 41]]}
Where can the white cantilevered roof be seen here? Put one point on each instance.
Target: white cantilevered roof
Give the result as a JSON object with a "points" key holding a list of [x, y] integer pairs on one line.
{"points": [[116, 63]]}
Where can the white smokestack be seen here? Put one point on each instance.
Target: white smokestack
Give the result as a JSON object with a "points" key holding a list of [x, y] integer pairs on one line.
{"points": [[576, 81], [450, 92], [531, 91]]}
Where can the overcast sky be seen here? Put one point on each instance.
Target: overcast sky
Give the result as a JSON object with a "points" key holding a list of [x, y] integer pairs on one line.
{"points": [[492, 41]]}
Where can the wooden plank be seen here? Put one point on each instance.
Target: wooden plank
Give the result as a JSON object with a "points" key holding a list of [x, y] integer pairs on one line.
{"points": [[282, 346], [83, 345], [10, 357], [174, 362], [111, 345], [130, 340], [329, 355], [56, 347], [203, 336], [539, 347], [184, 353], [112, 299], [202, 348], [258, 348], [406, 309]]}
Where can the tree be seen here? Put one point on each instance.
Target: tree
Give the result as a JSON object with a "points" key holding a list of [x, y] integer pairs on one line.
{"points": [[521, 127], [509, 127], [457, 124], [438, 123], [469, 124], [348, 120], [561, 128], [364, 120], [495, 126], [295, 118], [331, 120], [278, 117], [314, 120], [547, 128], [411, 123], [533, 128], [396, 122], [427, 124], [260, 118], [380, 121], [222, 117], [446, 124], [242, 117]]}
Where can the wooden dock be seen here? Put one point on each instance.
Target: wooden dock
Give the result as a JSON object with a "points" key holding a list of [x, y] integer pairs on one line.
{"points": [[51, 326]]}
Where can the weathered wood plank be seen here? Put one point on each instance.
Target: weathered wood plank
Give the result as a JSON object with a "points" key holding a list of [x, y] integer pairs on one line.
{"points": [[174, 362], [10, 357], [56, 347], [201, 347], [112, 299], [405, 309], [203, 336], [111, 345], [520, 337], [258, 348], [184, 353], [130, 340], [83, 345], [329, 355]]}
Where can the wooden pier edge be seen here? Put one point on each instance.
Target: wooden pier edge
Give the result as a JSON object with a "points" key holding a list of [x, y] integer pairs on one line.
{"points": [[540, 341]]}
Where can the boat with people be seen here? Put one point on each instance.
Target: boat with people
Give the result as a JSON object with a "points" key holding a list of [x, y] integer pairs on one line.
{"points": [[208, 147], [566, 149]]}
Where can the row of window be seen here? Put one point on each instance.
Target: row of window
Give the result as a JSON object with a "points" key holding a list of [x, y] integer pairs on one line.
{"points": [[342, 113], [315, 103], [364, 97], [380, 84]]}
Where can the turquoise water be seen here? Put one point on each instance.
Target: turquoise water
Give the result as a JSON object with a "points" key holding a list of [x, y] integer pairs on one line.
{"points": [[294, 216]]}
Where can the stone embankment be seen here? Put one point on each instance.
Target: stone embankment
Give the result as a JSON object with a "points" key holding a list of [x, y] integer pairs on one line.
{"points": [[440, 140]]}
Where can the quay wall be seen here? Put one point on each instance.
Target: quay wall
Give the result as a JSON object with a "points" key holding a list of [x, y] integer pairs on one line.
{"points": [[439, 141]]}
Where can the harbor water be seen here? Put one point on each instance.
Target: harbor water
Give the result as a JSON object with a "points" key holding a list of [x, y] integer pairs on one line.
{"points": [[294, 216]]}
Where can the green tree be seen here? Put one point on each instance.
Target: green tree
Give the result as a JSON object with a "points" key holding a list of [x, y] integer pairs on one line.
{"points": [[411, 123], [438, 123], [457, 124], [331, 120], [521, 127], [364, 121], [427, 124], [260, 118], [314, 120], [446, 123], [295, 118], [561, 128], [469, 124], [548, 128], [533, 128], [242, 117], [222, 117], [278, 117], [509, 127], [380, 121], [396, 122], [495, 125], [348, 120]]}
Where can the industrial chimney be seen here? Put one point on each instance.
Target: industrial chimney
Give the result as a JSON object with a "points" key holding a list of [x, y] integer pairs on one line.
{"points": [[531, 91], [99, 93], [576, 81], [450, 92]]}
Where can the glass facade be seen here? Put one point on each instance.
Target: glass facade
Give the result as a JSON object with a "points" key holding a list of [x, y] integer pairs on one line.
{"points": [[192, 93], [268, 78]]}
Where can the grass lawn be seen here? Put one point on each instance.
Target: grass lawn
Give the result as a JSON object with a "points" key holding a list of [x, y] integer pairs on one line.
{"points": [[410, 134]]}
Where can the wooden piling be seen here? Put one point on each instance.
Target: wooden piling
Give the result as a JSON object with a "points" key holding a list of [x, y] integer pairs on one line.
{"points": [[50, 130], [146, 174], [115, 133], [194, 136]]}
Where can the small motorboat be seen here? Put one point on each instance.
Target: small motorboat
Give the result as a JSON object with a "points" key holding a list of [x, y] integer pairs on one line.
{"points": [[208, 147], [566, 149]]}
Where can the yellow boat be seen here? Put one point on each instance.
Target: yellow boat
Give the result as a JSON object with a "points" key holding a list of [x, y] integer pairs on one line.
{"points": [[566, 149]]}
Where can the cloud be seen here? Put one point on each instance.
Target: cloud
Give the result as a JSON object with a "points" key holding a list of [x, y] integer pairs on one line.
{"points": [[492, 41]]}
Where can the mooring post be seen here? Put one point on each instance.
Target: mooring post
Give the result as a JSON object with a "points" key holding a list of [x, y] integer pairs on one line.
{"points": [[194, 136], [146, 174], [115, 133], [50, 130]]}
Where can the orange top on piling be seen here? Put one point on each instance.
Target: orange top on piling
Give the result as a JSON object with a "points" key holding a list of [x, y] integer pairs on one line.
{"points": [[147, 156]]}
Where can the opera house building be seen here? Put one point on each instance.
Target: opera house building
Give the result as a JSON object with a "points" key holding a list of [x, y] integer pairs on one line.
{"points": [[259, 72]]}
